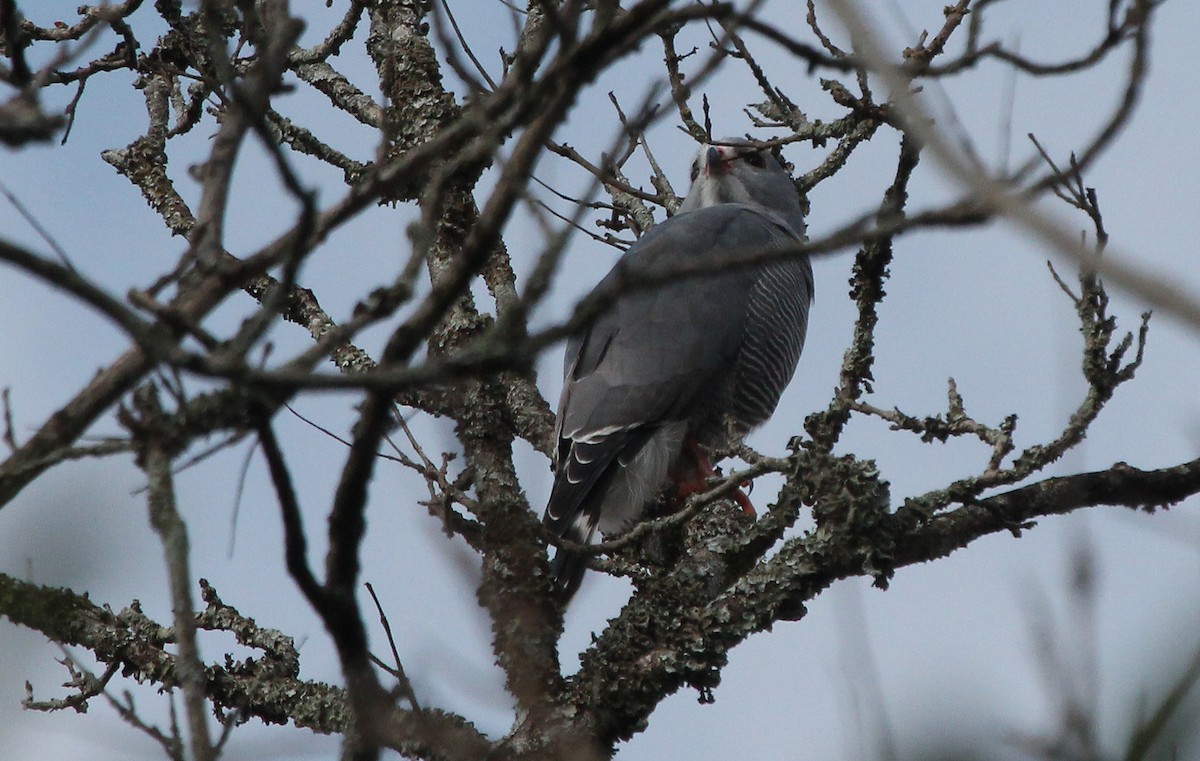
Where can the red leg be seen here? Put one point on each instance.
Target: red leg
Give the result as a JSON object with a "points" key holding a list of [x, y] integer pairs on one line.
{"points": [[697, 480], [744, 500]]}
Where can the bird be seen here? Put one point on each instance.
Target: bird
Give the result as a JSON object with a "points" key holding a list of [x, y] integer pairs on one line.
{"points": [[680, 369]]}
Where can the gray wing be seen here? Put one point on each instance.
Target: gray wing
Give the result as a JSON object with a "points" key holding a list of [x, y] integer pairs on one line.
{"points": [[646, 359], [655, 355]]}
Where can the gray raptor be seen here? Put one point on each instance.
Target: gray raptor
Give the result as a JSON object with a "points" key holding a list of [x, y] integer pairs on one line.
{"points": [[672, 372]]}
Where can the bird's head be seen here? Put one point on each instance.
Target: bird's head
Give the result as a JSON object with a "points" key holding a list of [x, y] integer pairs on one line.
{"points": [[738, 171]]}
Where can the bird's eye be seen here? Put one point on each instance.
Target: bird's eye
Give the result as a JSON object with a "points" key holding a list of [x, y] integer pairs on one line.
{"points": [[695, 170], [755, 160]]}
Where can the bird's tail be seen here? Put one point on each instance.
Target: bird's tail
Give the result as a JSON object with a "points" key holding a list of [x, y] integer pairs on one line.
{"points": [[573, 510], [568, 566]]}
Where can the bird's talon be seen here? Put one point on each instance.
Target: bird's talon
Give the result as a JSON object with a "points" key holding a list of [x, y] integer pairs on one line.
{"points": [[744, 501]]}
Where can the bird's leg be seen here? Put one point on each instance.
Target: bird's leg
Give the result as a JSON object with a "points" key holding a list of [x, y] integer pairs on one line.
{"points": [[688, 484]]}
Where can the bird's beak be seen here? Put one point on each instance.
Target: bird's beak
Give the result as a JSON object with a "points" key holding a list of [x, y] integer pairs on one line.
{"points": [[716, 159]]}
